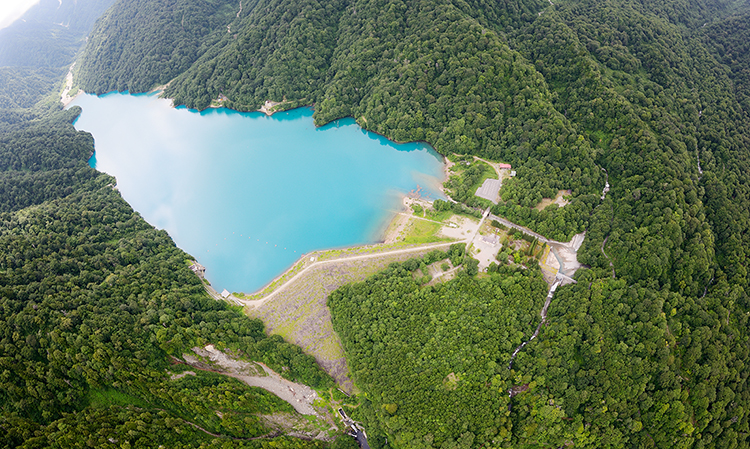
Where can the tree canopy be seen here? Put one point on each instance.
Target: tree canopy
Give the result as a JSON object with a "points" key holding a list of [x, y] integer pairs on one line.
{"points": [[649, 349]]}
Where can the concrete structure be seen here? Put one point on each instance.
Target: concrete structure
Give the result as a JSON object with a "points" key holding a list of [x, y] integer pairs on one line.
{"points": [[491, 239], [198, 269], [490, 190], [225, 294], [354, 430]]}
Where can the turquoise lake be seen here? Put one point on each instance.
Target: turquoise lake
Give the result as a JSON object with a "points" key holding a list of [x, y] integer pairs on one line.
{"points": [[247, 194]]}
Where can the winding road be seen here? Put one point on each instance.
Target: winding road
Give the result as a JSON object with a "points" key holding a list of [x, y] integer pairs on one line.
{"points": [[259, 302]]}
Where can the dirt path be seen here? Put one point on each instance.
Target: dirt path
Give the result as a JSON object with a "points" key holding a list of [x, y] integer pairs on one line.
{"points": [[420, 218], [436, 278], [297, 395], [300, 313], [491, 164], [523, 229], [229, 27], [215, 295], [476, 232]]}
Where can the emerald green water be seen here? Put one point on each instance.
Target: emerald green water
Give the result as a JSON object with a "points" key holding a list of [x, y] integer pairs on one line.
{"points": [[248, 194]]}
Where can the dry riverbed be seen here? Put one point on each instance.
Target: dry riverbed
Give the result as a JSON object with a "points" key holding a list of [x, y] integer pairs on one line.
{"points": [[256, 374]]}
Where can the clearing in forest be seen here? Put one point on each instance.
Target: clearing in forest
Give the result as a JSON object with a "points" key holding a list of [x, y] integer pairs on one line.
{"points": [[559, 199], [294, 306]]}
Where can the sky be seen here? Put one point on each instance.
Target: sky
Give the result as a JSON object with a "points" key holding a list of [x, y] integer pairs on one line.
{"points": [[10, 10]]}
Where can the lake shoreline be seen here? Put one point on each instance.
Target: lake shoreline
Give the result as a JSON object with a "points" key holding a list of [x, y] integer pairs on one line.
{"points": [[387, 234], [269, 111], [359, 178]]}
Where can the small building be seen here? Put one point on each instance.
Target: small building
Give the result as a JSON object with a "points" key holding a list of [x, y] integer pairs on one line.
{"points": [[225, 294], [198, 268], [491, 239], [504, 166]]}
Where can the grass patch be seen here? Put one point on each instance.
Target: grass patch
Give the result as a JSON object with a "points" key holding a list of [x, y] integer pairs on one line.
{"points": [[489, 173], [421, 231], [107, 397], [441, 216], [464, 180]]}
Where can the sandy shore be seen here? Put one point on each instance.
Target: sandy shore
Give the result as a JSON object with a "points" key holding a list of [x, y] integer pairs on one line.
{"points": [[66, 100], [398, 222], [446, 175]]}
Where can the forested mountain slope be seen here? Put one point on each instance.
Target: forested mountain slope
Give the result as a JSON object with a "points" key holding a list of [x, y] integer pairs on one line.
{"points": [[140, 44], [37, 49], [50, 33], [97, 307], [93, 301], [650, 348]]}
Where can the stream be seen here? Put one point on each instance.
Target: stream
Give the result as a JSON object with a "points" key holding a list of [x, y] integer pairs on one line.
{"points": [[561, 275], [543, 314], [605, 190]]}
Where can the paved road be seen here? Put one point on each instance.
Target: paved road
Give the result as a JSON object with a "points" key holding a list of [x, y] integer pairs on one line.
{"points": [[471, 240], [259, 302], [526, 231]]}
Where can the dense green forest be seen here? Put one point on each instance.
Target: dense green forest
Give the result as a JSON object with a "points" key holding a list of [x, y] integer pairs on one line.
{"points": [[651, 347], [150, 43], [36, 50], [50, 33], [96, 305], [95, 299], [433, 360]]}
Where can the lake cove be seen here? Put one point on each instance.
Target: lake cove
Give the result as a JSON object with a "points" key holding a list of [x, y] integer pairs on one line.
{"points": [[247, 194]]}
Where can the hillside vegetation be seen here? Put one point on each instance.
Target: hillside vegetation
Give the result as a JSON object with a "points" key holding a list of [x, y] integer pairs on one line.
{"points": [[97, 307], [94, 298], [650, 348]]}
